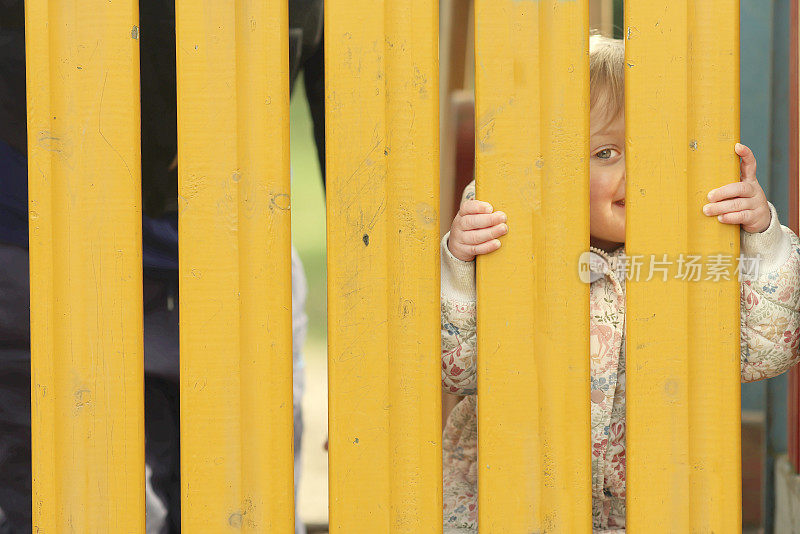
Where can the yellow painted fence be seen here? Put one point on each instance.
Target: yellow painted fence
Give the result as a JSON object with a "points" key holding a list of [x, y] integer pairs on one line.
{"points": [[532, 128]]}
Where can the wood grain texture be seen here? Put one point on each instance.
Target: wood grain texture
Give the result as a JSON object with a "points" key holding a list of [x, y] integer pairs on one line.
{"points": [[532, 162], [383, 266], [235, 266], [86, 266], [683, 406]]}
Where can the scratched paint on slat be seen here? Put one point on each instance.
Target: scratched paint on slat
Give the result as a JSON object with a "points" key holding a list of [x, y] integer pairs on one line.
{"points": [[235, 266], [383, 266], [86, 267], [358, 339], [412, 200]]}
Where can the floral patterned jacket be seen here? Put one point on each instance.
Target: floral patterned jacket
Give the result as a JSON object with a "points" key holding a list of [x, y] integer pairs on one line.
{"points": [[770, 327]]}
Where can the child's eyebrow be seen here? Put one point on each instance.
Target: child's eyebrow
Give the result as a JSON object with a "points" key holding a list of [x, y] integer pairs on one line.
{"points": [[606, 131]]}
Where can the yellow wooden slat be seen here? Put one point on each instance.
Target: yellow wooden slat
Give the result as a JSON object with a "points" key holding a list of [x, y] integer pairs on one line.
{"points": [[657, 329], [358, 336], [383, 270], [235, 270], [412, 238], [532, 152], [713, 306], [86, 266], [561, 225], [682, 122]]}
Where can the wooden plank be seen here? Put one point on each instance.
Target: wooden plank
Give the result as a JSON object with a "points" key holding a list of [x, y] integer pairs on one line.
{"points": [[532, 122], [235, 266], [383, 266], [84, 182], [412, 202], [681, 123], [713, 308]]}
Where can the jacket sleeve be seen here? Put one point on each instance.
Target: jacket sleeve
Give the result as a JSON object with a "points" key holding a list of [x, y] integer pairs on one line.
{"points": [[459, 332], [770, 302]]}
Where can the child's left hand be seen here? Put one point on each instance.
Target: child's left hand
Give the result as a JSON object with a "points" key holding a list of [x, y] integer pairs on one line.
{"points": [[741, 202]]}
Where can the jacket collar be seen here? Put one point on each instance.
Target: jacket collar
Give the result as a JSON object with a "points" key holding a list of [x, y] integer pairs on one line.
{"points": [[609, 260]]}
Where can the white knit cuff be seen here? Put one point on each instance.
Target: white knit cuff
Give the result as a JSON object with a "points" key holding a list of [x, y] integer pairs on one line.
{"points": [[772, 244], [458, 277]]}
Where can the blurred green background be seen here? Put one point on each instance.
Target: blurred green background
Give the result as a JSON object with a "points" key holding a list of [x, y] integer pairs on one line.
{"points": [[308, 212], [308, 236]]}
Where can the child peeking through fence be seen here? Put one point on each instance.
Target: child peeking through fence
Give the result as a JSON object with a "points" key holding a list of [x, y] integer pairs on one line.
{"points": [[770, 301]]}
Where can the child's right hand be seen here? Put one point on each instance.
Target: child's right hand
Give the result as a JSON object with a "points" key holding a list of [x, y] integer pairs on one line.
{"points": [[475, 230]]}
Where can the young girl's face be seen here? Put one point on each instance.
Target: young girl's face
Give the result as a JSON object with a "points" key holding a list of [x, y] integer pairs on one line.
{"points": [[607, 182]]}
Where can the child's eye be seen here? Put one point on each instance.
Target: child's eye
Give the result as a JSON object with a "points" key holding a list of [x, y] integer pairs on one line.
{"points": [[606, 153]]}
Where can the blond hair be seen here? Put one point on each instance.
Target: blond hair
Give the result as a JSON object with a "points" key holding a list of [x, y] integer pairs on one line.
{"points": [[607, 76]]}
